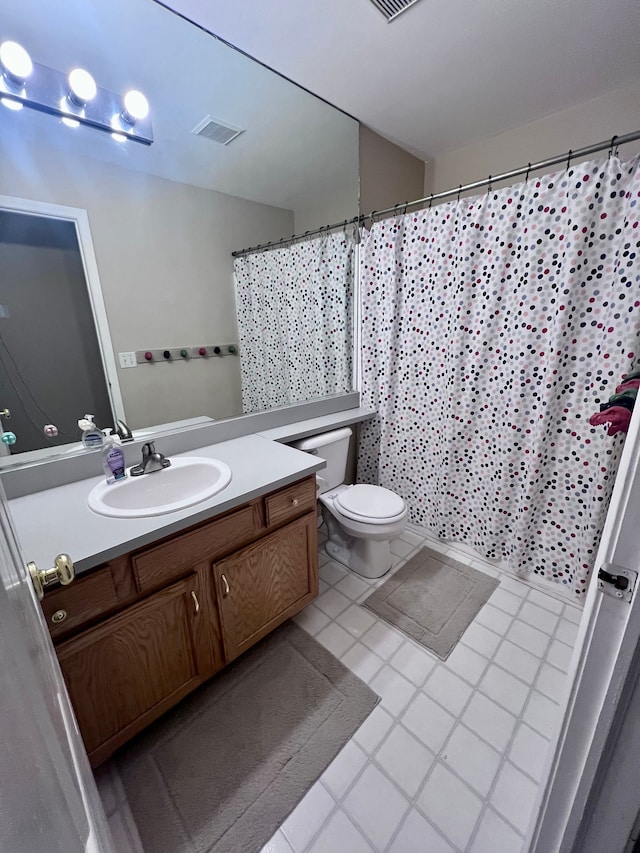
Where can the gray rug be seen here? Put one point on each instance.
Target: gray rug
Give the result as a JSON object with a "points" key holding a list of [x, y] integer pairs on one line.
{"points": [[433, 599], [220, 772]]}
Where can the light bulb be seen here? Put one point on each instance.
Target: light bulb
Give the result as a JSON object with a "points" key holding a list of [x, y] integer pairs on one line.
{"points": [[11, 105], [119, 137], [15, 61], [82, 85], [136, 106], [70, 122]]}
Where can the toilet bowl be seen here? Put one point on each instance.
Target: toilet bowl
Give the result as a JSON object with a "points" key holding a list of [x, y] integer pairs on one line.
{"points": [[361, 519], [359, 538]]}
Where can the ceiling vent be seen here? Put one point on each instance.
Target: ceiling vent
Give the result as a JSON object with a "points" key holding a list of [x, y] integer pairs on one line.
{"points": [[392, 8], [216, 130]]}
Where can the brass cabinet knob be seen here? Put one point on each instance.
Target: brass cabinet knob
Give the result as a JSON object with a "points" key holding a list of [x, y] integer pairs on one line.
{"points": [[295, 502], [62, 572], [59, 616]]}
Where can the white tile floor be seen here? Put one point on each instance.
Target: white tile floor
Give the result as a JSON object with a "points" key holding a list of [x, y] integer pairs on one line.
{"points": [[450, 760]]}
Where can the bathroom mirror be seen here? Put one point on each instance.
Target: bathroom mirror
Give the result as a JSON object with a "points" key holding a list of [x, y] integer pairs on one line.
{"points": [[165, 218]]}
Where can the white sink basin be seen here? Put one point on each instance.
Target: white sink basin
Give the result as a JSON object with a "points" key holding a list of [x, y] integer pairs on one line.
{"points": [[189, 480]]}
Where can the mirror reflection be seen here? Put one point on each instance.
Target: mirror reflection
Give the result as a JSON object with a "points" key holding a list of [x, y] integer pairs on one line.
{"points": [[162, 220]]}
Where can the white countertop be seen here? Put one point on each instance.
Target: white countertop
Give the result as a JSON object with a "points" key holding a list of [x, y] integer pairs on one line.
{"points": [[58, 520], [324, 423]]}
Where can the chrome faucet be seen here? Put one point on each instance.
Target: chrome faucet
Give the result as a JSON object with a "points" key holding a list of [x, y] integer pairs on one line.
{"points": [[152, 461]]}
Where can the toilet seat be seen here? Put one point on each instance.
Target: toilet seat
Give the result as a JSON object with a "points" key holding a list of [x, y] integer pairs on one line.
{"points": [[371, 504]]}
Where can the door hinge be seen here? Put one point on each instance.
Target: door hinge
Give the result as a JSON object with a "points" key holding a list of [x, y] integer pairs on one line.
{"points": [[617, 582]]}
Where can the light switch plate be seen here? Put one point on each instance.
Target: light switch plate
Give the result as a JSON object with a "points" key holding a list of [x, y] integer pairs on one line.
{"points": [[127, 359]]}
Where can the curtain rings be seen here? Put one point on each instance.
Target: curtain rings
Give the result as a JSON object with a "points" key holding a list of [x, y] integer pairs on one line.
{"points": [[612, 146], [406, 205], [430, 200], [372, 215], [459, 191], [569, 155], [526, 177], [489, 187]]}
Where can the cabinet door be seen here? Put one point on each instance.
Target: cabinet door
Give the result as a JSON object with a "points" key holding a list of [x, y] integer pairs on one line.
{"points": [[127, 671], [265, 583]]}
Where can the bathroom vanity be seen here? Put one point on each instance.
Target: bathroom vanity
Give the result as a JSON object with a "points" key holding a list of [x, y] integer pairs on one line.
{"points": [[137, 634], [160, 604]]}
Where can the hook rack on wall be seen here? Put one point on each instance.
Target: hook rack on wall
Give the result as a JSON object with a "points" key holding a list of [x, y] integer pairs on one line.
{"points": [[150, 356]]}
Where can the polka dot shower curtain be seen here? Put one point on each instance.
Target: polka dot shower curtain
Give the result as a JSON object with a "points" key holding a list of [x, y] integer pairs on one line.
{"points": [[295, 321], [492, 329]]}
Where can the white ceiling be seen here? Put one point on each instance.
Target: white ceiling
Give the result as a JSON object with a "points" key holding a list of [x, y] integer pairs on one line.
{"points": [[445, 72]]}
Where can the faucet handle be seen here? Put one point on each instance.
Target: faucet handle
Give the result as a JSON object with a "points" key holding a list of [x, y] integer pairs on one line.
{"points": [[151, 461]]}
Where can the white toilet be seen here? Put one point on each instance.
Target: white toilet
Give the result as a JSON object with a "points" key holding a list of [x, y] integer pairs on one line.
{"points": [[360, 519]]}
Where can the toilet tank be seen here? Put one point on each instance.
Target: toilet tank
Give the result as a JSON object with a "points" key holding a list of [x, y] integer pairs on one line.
{"points": [[333, 447]]}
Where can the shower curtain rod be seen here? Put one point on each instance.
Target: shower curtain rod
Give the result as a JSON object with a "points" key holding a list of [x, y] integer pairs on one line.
{"points": [[612, 143]]}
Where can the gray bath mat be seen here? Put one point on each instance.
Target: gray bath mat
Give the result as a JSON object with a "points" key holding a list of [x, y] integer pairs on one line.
{"points": [[220, 772], [433, 599]]}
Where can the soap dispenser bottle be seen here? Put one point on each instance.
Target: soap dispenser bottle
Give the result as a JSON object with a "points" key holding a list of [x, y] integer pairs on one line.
{"points": [[92, 437], [113, 458]]}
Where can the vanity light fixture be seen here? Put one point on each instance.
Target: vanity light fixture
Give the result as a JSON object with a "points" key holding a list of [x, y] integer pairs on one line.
{"points": [[75, 98]]}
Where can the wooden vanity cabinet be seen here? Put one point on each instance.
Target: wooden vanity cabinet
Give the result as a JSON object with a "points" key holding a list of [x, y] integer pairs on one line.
{"points": [[135, 636], [261, 585], [131, 668]]}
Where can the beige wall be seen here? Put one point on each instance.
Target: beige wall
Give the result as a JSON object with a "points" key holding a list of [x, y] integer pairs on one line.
{"points": [[164, 258], [388, 174], [334, 207], [617, 112]]}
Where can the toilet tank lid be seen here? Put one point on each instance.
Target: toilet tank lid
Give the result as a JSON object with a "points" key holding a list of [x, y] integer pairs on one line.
{"points": [[313, 442]]}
